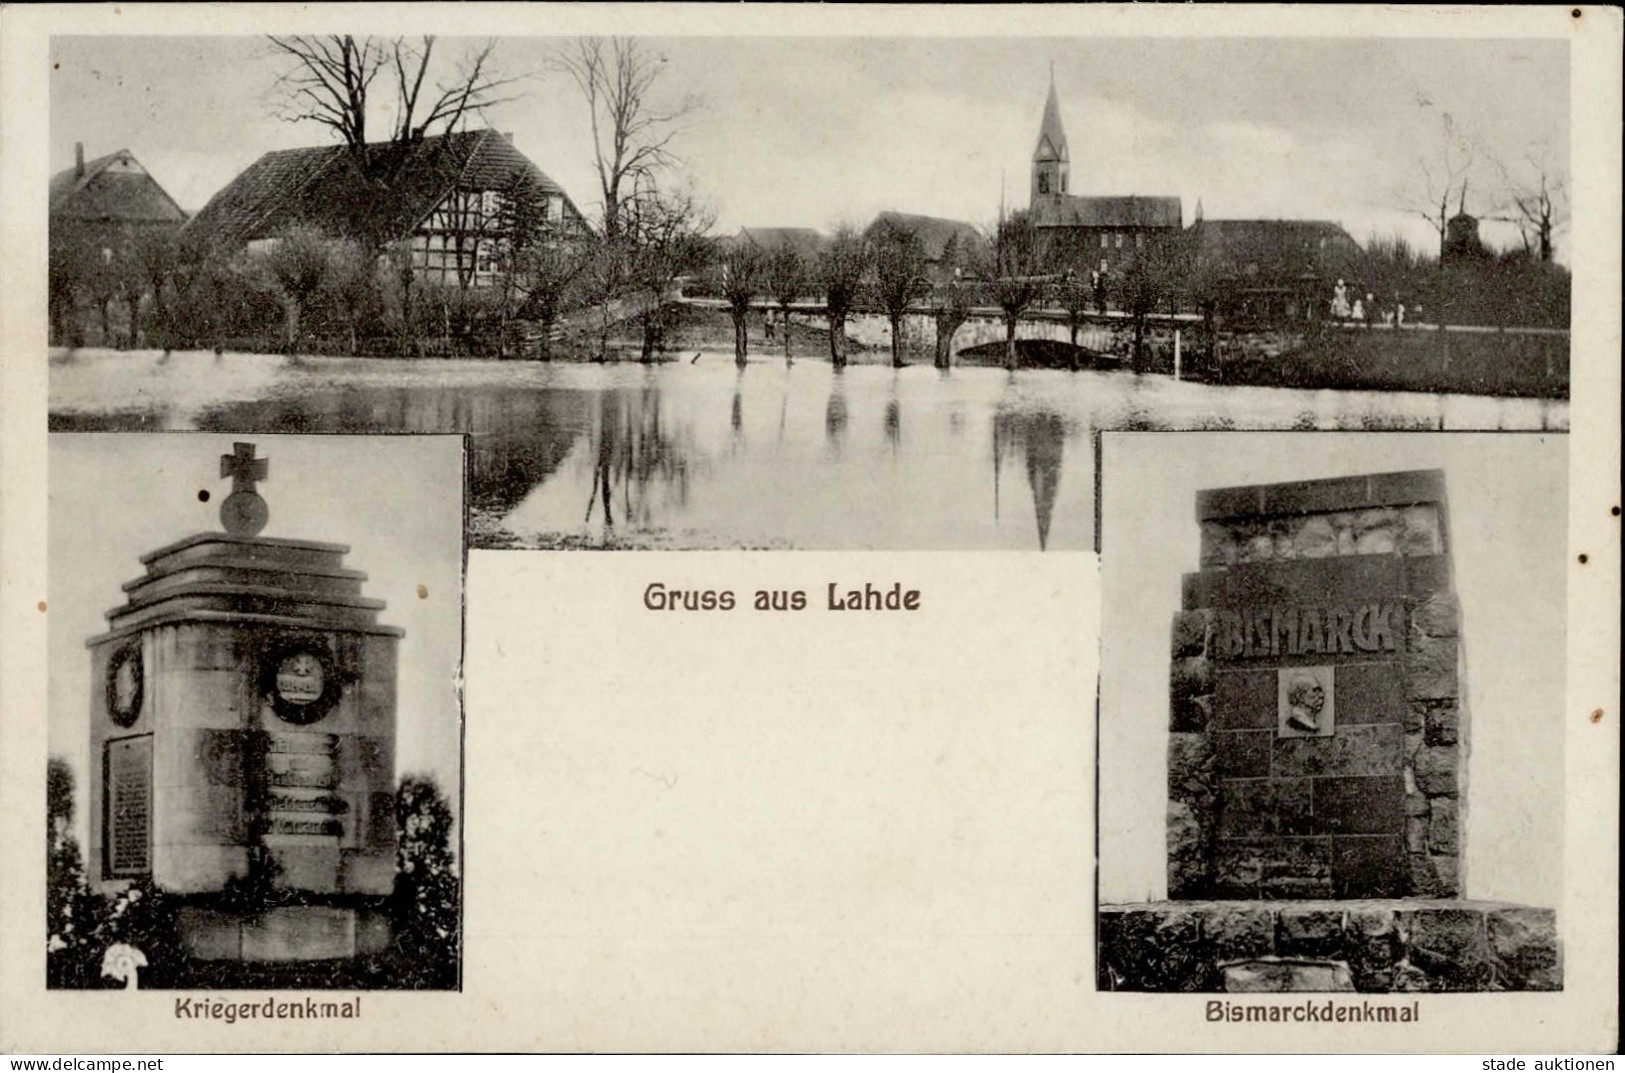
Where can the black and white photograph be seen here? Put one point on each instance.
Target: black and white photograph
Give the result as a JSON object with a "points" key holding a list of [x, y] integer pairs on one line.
{"points": [[255, 719], [1106, 523], [1331, 712], [828, 293]]}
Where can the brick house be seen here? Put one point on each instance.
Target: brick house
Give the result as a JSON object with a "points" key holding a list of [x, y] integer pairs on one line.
{"points": [[445, 197]]}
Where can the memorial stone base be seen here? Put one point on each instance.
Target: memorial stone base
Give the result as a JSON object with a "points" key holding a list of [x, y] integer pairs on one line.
{"points": [[286, 933], [1380, 946]]}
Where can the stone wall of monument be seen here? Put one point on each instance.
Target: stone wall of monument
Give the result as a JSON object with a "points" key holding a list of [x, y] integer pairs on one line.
{"points": [[1341, 584], [1370, 946]]}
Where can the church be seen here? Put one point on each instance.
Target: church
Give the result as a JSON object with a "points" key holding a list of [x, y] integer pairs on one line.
{"points": [[1103, 233], [1259, 271]]}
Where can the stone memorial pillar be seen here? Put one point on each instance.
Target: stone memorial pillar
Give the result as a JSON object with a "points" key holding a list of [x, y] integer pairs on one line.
{"points": [[242, 740], [1317, 760]]}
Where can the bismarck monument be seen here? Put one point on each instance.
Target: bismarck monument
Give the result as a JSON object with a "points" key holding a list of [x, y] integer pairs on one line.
{"points": [[243, 734], [1317, 761]]}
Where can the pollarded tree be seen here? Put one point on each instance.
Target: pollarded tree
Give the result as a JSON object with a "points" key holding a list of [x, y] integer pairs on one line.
{"points": [[297, 263], [351, 281], [785, 278], [897, 267], [841, 269], [1146, 282], [742, 267], [1016, 281], [955, 291], [1074, 291]]}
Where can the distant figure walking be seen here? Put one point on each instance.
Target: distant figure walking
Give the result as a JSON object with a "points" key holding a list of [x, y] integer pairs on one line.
{"points": [[1399, 315]]}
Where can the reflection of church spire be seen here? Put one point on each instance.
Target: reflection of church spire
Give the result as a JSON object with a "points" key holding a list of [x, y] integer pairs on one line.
{"points": [[1041, 438], [1044, 438]]}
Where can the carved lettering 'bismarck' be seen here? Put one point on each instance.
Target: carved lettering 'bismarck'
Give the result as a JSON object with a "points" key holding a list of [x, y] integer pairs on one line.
{"points": [[1262, 632]]}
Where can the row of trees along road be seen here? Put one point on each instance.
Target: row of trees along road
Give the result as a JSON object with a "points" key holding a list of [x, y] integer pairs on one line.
{"points": [[651, 231]]}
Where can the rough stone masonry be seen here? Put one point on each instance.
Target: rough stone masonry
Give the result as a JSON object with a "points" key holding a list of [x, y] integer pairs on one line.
{"points": [[1350, 580], [1317, 760]]}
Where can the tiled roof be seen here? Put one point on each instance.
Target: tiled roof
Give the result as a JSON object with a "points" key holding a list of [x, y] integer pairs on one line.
{"points": [[934, 232], [804, 240], [1295, 248], [1070, 210], [322, 187], [103, 194]]}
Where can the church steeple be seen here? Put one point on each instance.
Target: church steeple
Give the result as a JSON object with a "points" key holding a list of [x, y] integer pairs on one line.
{"points": [[1051, 159]]}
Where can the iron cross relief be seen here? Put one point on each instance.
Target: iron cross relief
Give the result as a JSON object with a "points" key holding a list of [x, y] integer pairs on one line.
{"points": [[244, 513]]}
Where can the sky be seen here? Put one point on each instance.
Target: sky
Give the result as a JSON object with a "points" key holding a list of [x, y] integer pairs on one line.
{"points": [[116, 497], [799, 131], [1508, 544]]}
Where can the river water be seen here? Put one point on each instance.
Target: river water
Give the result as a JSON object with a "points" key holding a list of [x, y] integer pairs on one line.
{"points": [[697, 454]]}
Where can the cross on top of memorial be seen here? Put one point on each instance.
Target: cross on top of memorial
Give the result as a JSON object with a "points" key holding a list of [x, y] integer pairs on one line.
{"points": [[244, 513]]}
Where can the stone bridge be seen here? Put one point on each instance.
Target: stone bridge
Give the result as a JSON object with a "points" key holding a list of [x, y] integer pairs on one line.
{"points": [[1099, 332]]}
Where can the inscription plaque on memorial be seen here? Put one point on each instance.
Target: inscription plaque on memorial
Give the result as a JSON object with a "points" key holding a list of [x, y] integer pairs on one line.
{"points": [[129, 806]]}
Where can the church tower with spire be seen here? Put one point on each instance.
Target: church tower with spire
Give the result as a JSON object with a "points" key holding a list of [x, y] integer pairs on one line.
{"points": [[1051, 160]]}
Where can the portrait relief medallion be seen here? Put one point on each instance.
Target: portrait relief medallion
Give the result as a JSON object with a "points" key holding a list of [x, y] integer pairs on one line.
{"points": [[124, 685], [1305, 702]]}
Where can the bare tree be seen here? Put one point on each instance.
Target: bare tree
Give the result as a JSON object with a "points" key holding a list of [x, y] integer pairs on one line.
{"points": [[542, 274], [1536, 196], [631, 135], [954, 292], [665, 237], [1016, 283], [329, 79], [539, 258], [1074, 291], [1147, 279], [1441, 177], [785, 278], [743, 272], [154, 255], [841, 269], [897, 263]]}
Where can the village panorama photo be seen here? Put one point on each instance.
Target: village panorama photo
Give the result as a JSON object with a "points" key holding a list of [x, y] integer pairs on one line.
{"points": [[814, 293]]}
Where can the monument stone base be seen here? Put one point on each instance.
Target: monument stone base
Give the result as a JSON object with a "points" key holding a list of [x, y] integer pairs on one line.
{"points": [[1374, 946], [286, 933]]}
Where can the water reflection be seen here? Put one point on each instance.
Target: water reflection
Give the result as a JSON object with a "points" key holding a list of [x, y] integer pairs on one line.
{"points": [[703, 455], [835, 414], [1038, 438]]}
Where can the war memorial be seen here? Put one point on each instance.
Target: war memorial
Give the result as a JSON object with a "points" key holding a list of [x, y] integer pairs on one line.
{"points": [[242, 740], [1318, 759]]}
